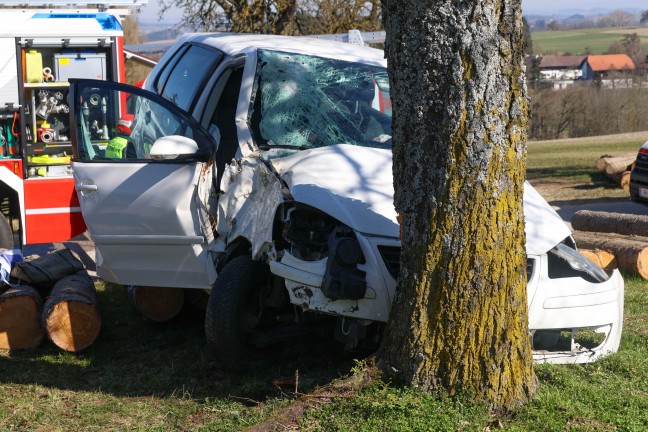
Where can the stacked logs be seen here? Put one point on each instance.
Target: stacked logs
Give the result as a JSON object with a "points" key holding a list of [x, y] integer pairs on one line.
{"points": [[617, 168], [53, 295], [613, 239]]}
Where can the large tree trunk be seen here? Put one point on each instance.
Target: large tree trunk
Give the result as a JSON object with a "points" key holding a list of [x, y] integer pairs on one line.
{"points": [[459, 320]]}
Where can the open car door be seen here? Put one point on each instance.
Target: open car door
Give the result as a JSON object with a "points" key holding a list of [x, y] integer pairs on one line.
{"points": [[143, 171]]}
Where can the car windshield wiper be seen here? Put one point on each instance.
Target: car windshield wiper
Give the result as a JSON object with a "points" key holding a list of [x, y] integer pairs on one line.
{"points": [[283, 146]]}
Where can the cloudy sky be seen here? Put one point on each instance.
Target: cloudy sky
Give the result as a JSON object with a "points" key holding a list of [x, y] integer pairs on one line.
{"points": [[149, 13]]}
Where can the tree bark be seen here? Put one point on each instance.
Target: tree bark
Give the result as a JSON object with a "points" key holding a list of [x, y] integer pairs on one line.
{"points": [[70, 313], [619, 223], [459, 320]]}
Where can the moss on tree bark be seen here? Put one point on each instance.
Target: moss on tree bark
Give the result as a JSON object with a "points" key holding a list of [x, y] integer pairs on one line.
{"points": [[459, 321]]}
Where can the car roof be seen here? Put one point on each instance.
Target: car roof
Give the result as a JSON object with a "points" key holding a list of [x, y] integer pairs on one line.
{"points": [[235, 44]]}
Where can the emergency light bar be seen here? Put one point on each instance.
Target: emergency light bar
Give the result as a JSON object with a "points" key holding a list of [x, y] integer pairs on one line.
{"points": [[68, 3]]}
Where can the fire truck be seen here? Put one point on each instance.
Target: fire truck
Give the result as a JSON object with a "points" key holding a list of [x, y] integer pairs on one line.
{"points": [[41, 47]]}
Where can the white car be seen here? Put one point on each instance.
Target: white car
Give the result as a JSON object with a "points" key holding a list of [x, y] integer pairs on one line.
{"points": [[260, 168]]}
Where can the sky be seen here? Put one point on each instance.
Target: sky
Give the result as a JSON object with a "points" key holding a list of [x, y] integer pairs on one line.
{"points": [[148, 13]]}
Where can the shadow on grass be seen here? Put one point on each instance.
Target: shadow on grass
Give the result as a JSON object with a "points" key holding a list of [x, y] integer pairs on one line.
{"points": [[134, 357]]}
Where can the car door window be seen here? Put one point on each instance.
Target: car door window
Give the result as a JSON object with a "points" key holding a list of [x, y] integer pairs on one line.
{"points": [[121, 123], [188, 75]]}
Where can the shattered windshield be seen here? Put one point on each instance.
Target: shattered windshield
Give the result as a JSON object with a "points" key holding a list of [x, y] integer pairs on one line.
{"points": [[303, 101]]}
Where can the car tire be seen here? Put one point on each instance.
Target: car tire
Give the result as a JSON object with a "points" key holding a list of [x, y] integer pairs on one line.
{"points": [[232, 308], [6, 233]]}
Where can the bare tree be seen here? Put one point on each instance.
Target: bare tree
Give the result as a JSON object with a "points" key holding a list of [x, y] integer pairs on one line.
{"points": [[644, 17], [338, 16], [620, 18], [133, 35], [245, 16], [460, 319]]}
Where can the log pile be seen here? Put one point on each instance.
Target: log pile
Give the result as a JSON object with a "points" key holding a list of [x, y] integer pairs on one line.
{"points": [[613, 239], [617, 168], [51, 295]]}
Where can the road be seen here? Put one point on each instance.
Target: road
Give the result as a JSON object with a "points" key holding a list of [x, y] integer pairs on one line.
{"points": [[625, 206]]}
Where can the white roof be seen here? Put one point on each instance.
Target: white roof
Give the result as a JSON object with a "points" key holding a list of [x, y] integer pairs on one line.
{"points": [[234, 44]]}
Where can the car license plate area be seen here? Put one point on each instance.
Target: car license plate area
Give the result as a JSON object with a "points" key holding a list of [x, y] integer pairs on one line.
{"points": [[643, 192]]}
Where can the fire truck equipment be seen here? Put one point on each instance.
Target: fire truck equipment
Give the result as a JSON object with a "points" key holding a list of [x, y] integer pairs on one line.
{"points": [[34, 66]]}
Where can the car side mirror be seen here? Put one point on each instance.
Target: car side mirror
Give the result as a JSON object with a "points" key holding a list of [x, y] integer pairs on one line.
{"points": [[173, 147]]}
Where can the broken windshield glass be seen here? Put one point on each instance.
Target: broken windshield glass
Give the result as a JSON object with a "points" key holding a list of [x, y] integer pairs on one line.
{"points": [[302, 101]]}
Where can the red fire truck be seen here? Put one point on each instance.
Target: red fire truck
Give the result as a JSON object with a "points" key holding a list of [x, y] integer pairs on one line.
{"points": [[40, 48]]}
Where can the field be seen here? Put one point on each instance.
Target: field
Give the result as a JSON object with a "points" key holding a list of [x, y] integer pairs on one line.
{"points": [[576, 42], [142, 376], [563, 170]]}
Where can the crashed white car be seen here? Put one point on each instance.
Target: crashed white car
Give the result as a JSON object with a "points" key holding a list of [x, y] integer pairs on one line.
{"points": [[260, 168]]}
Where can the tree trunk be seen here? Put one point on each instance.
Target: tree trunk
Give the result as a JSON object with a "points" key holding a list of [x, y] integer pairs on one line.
{"points": [[631, 252], [619, 223], [460, 319], [156, 303], [20, 326], [619, 163], [70, 314]]}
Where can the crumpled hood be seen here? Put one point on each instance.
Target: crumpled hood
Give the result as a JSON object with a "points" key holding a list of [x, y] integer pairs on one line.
{"points": [[355, 185]]}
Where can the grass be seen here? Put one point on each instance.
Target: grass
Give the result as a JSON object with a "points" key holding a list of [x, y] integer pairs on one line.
{"points": [[141, 376], [144, 377], [596, 41]]}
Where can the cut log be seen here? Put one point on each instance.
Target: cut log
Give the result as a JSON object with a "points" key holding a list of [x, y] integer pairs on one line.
{"points": [[604, 259], [156, 303], [622, 179], [619, 223], [601, 163], [70, 314], [619, 164], [615, 163], [20, 326], [631, 252]]}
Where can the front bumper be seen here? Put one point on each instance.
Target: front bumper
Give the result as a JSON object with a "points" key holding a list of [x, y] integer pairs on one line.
{"points": [[571, 310]]}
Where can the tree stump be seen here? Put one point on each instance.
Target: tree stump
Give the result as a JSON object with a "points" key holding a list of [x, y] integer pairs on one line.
{"points": [[631, 252], [70, 314], [619, 223], [20, 326], [156, 303]]}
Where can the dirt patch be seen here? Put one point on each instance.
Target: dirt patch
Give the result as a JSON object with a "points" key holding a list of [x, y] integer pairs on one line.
{"points": [[290, 417], [640, 31], [574, 192]]}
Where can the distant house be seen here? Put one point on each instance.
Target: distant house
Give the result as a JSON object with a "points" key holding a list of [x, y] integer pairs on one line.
{"points": [[603, 66], [553, 67]]}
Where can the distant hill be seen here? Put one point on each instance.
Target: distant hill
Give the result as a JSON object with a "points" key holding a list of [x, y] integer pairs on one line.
{"points": [[159, 31]]}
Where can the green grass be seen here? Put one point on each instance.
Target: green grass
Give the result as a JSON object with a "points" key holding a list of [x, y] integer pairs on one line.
{"points": [[611, 394], [144, 377], [141, 376], [597, 41]]}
